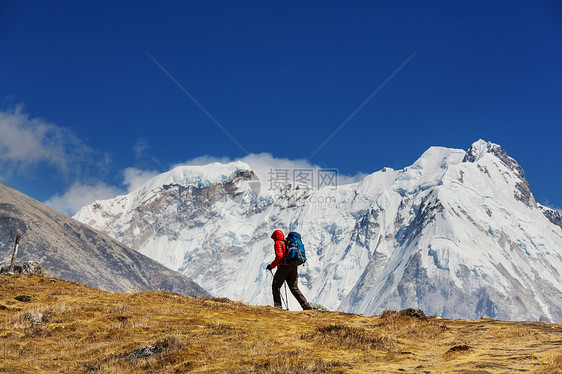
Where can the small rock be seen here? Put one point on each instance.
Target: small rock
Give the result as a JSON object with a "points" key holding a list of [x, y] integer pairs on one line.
{"points": [[36, 318], [413, 312], [23, 298], [146, 351], [319, 307], [459, 348]]}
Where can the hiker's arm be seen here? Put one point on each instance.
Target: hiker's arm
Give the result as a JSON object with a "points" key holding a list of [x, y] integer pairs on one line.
{"points": [[278, 253]]}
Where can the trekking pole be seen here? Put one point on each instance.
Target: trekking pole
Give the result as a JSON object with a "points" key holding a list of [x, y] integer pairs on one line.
{"points": [[286, 297]]}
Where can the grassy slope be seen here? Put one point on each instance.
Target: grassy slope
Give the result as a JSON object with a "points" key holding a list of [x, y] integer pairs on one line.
{"points": [[87, 330]]}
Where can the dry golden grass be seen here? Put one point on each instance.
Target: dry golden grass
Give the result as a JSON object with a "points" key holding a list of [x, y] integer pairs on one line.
{"points": [[83, 330]]}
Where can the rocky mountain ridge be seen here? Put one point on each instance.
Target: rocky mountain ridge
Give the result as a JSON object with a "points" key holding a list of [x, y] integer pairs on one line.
{"points": [[69, 250]]}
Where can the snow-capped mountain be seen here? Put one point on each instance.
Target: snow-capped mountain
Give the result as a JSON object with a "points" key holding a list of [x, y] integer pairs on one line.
{"points": [[457, 234]]}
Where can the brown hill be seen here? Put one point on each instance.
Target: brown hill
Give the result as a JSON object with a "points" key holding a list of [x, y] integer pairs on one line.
{"points": [[52, 326], [70, 250]]}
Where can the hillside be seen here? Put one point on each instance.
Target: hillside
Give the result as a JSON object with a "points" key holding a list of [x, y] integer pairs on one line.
{"points": [[52, 326], [67, 249]]}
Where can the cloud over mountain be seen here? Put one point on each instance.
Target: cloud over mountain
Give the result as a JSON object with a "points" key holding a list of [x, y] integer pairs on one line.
{"points": [[30, 142]]}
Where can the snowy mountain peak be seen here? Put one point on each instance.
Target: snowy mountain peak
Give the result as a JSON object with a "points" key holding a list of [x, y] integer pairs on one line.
{"points": [[197, 175], [436, 158], [457, 234], [480, 148]]}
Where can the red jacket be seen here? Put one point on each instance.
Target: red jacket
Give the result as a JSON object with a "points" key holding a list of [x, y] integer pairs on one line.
{"points": [[279, 247]]}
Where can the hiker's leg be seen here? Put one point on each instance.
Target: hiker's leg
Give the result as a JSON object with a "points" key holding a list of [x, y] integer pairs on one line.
{"points": [[278, 280], [293, 282]]}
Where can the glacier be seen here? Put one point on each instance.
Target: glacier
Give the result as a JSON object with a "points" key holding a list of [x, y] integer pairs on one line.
{"points": [[458, 234]]}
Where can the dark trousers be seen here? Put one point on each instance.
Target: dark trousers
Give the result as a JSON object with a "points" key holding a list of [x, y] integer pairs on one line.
{"points": [[289, 274]]}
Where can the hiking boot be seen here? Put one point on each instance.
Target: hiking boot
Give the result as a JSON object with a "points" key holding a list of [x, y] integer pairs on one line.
{"points": [[306, 306]]}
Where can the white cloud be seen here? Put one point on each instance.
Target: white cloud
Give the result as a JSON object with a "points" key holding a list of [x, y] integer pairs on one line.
{"points": [[27, 142], [140, 148], [134, 178], [204, 160], [265, 165], [33, 145], [80, 194]]}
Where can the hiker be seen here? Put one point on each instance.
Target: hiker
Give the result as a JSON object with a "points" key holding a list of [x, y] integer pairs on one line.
{"points": [[285, 273]]}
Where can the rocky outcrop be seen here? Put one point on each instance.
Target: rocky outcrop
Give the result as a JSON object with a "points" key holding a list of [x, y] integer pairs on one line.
{"points": [[23, 268], [552, 215]]}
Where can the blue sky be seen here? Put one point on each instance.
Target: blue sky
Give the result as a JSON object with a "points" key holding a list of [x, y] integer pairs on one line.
{"points": [[85, 109]]}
